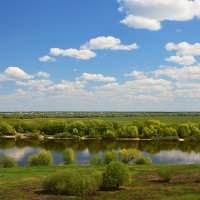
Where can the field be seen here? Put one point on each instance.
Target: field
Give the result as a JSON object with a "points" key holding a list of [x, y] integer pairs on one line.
{"points": [[25, 183], [129, 119]]}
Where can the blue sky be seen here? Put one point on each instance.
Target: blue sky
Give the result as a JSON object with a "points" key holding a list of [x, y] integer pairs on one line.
{"points": [[116, 55]]}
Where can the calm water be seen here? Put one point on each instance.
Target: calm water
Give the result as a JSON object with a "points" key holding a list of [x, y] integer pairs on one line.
{"points": [[160, 152]]}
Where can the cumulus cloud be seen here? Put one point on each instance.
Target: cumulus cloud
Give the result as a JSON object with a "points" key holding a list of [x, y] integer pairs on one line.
{"points": [[96, 77], [83, 54], [43, 74], [148, 84], [184, 48], [136, 74], [86, 51], [39, 84], [185, 52], [182, 60], [109, 86], [68, 85], [148, 14], [14, 73], [47, 59], [108, 42], [138, 22], [186, 73]]}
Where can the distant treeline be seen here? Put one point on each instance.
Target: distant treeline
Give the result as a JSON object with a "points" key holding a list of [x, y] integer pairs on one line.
{"points": [[100, 128], [35, 115]]}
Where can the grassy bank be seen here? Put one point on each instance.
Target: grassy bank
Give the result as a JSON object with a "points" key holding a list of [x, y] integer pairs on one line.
{"points": [[25, 183]]}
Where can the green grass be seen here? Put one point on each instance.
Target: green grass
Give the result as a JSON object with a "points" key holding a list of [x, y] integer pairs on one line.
{"points": [[25, 183], [128, 120]]}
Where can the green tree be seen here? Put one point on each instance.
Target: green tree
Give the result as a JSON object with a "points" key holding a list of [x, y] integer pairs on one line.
{"points": [[6, 129]]}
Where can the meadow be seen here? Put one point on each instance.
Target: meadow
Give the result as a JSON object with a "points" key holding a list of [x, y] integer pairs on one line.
{"points": [[25, 183]]}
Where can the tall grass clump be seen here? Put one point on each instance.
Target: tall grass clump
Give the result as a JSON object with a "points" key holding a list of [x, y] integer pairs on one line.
{"points": [[73, 182], [7, 162], [96, 160], [68, 156], [115, 175], [126, 155], [144, 161], [165, 173], [43, 158], [110, 156]]}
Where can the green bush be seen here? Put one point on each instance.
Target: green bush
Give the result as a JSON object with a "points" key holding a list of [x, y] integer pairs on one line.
{"points": [[35, 135], [165, 173], [109, 135], [63, 135], [68, 156], [184, 131], [195, 132], [115, 175], [73, 182], [6, 129], [126, 155], [42, 158], [128, 131], [143, 161], [149, 132], [110, 156], [96, 160], [6, 162]]}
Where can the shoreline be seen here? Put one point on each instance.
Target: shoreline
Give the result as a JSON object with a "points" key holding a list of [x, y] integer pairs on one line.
{"points": [[22, 136]]}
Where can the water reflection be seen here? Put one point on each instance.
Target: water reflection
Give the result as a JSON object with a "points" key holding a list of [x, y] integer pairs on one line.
{"points": [[160, 152]]}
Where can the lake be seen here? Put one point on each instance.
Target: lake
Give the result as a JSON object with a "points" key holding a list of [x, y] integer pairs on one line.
{"points": [[183, 152]]}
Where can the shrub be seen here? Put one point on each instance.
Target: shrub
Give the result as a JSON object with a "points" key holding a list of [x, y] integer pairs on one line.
{"points": [[110, 156], [195, 132], [126, 155], [35, 135], [6, 129], [149, 132], [109, 135], [165, 173], [128, 132], [115, 174], [6, 161], [96, 160], [143, 161], [73, 182], [167, 132], [184, 131], [68, 156], [63, 135], [42, 158]]}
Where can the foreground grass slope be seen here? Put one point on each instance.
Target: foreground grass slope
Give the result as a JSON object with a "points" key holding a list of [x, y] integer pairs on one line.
{"points": [[21, 183]]}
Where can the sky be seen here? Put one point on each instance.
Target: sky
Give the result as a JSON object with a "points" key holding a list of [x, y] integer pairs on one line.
{"points": [[99, 55]]}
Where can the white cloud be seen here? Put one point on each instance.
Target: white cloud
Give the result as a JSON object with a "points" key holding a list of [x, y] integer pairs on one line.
{"points": [[182, 60], [186, 73], [43, 74], [185, 52], [150, 14], [68, 85], [189, 85], [83, 54], [108, 42], [96, 77], [39, 84], [136, 74], [147, 84], [184, 48], [47, 59], [138, 22], [109, 86], [14, 73]]}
